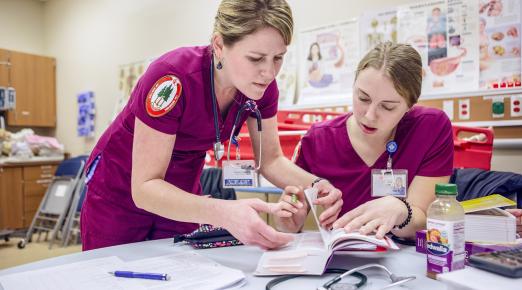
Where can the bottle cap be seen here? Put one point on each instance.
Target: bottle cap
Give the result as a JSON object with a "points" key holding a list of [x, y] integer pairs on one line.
{"points": [[446, 189]]}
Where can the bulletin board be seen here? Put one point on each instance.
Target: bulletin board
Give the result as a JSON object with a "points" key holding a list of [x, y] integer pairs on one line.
{"points": [[502, 111]]}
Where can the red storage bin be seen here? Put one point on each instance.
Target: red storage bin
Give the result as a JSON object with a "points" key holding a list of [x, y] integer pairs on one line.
{"points": [[475, 150], [292, 125], [301, 120], [288, 140]]}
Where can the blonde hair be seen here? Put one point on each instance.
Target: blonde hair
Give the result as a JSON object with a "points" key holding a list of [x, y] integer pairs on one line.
{"points": [[236, 19], [401, 63]]}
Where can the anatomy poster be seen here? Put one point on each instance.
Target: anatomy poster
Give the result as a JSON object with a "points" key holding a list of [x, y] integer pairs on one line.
{"points": [[499, 45], [377, 27], [328, 57], [287, 78], [445, 34]]}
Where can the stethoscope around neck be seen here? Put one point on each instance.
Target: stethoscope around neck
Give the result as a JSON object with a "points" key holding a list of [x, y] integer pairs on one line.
{"points": [[249, 105]]}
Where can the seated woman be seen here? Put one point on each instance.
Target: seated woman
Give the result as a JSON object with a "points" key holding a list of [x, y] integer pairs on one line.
{"points": [[355, 153]]}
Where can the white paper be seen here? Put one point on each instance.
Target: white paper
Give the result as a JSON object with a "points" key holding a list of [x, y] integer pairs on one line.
{"points": [[87, 275], [472, 278], [188, 270]]}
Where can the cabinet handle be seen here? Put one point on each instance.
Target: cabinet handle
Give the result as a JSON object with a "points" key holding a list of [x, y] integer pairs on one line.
{"points": [[44, 181], [46, 175], [26, 113]]}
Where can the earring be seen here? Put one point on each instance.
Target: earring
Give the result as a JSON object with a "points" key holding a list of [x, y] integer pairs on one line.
{"points": [[219, 65]]}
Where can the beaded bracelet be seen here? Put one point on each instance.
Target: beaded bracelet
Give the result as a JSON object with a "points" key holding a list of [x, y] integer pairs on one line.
{"points": [[408, 219]]}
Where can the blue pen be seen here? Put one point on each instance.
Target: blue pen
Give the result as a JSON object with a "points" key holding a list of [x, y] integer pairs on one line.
{"points": [[130, 274]]}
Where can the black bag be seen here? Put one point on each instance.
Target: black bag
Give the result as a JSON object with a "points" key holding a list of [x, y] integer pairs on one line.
{"points": [[207, 236]]}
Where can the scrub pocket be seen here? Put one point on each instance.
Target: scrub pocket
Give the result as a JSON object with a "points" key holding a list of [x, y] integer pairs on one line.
{"points": [[92, 168]]}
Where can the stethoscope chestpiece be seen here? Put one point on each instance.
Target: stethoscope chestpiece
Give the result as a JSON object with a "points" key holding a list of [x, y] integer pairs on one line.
{"points": [[219, 151]]}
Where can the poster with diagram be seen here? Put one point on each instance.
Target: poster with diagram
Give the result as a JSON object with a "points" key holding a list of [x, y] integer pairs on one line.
{"points": [[287, 78], [499, 44], [376, 27], [445, 34], [129, 75], [328, 57]]}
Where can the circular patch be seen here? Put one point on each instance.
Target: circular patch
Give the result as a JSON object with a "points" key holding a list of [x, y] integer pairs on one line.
{"points": [[163, 96]]}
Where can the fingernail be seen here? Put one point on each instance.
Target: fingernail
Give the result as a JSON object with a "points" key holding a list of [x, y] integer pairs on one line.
{"points": [[335, 225]]}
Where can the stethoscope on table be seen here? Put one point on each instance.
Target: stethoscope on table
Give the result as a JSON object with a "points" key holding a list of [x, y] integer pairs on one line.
{"points": [[249, 105], [333, 284]]}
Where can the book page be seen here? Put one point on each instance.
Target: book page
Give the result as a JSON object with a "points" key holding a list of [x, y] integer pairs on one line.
{"points": [[334, 237], [311, 196], [492, 212]]}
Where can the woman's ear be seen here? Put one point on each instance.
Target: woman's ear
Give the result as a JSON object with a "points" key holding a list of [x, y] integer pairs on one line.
{"points": [[217, 45]]}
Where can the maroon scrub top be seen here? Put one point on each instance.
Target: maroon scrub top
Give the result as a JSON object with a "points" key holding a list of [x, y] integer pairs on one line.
{"points": [[191, 119], [425, 148]]}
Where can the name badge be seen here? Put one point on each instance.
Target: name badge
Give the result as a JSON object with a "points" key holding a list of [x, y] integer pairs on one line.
{"points": [[239, 174], [389, 182]]}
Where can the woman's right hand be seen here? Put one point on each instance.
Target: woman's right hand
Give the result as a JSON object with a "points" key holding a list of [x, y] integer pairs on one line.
{"points": [[290, 216], [242, 220]]}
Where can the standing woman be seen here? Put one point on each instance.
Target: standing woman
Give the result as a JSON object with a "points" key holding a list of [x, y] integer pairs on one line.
{"points": [[386, 138], [143, 175]]}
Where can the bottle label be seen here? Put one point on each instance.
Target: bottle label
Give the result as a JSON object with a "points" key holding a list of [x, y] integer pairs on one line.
{"points": [[445, 245]]}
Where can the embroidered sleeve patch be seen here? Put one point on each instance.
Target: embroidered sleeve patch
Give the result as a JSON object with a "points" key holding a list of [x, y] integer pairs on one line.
{"points": [[163, 96]]}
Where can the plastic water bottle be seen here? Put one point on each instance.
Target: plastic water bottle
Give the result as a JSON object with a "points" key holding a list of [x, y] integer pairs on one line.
{"points": [[445, 232]]}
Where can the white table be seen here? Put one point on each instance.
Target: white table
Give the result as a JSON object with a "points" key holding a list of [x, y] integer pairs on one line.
{"points": [[404, 262]]}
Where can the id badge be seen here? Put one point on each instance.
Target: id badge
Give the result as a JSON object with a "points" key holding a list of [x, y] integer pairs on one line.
{"points": [[392, 182], [239, 174]]}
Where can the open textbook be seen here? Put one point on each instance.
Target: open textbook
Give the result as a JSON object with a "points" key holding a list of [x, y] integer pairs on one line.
{"points": [[310, 252]]}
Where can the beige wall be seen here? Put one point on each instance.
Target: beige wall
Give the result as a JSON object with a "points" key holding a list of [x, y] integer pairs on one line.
{"points": [[90, 39], [22, 25]]}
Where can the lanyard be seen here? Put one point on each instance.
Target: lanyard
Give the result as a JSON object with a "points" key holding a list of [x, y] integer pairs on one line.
{"points": [[391, 147], [249, 105]]}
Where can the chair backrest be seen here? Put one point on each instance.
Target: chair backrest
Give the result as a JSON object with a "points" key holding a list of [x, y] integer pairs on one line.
{"points": [[58, 195], [70, 167]]}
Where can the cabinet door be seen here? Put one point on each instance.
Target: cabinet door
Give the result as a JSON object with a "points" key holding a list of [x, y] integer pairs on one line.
{"points": [[33, 77], [4, 68], [11, 198]]}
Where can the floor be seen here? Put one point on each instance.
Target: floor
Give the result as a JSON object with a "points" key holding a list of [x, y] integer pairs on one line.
{"points": [[11, 256]]}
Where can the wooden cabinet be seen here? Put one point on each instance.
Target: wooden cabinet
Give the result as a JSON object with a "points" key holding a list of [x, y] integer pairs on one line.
{"points": [[21, 191], [34, 78], [11, 198]]}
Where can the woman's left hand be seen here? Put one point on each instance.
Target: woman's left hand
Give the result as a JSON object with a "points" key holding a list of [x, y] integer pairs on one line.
{"points": [[378, 215], [331, 199]]}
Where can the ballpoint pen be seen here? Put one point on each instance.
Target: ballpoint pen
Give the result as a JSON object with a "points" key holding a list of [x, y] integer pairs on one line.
{"points": [[130, 274]]}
